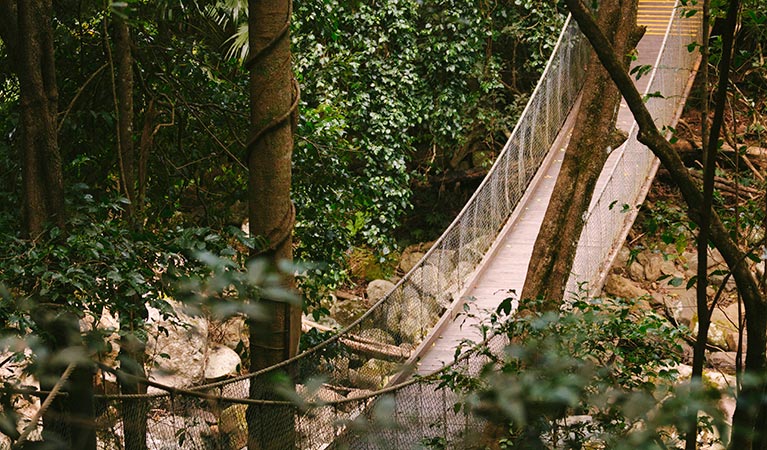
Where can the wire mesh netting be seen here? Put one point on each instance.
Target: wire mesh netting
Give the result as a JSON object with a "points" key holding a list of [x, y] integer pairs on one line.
{"points": [[631, 168], [338, 393]]}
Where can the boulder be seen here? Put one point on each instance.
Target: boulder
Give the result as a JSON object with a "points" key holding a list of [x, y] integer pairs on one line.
{"points": [[232, 332], [377, 289], [622, 257], [411, 315], [176, 349], [409, 259], [636, 271], [723, 361], [373, 374], [622, 287], [652, 268], [376, 335], [222, 361], [347, 311], [233, 426], [668, 267]]}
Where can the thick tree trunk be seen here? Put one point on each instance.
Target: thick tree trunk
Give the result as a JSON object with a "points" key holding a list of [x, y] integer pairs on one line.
{"points": [[271, 213], [750, 408], [590, 145], [43, 193]]}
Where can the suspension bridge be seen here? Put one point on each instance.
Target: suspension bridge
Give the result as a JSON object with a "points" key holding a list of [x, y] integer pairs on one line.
{"points": [[377, 385]]}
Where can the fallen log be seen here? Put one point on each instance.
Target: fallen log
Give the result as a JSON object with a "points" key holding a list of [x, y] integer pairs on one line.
{"points": [[367, 347]]}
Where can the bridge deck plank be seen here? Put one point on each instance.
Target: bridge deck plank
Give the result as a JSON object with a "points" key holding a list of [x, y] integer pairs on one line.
{"points": [[505, 265]]}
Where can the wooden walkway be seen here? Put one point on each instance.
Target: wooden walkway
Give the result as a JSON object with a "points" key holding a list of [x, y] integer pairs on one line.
{"points": [[504, 267]]}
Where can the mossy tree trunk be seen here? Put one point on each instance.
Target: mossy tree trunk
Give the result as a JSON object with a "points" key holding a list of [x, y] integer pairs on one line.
{"points": [[593, 137]]}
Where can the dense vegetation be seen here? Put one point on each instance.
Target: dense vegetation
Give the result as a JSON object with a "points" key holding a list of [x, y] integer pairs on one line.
{"points": [[390, 92]]}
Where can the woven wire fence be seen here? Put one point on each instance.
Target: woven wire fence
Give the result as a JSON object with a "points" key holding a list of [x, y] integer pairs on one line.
{"points": [[338, 389], [631, 168], [349, 407]]}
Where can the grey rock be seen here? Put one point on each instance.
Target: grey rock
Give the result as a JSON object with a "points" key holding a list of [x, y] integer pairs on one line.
{"points": [[222, 361], [408, 260], [668, 267], [232, 332], [376, 335], [176, 350], [377, 289]]}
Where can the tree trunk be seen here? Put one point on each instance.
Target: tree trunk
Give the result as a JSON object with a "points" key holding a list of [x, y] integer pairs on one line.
{"points": [[69, 420], [134, 412], [124, 88], [43, 187], [271, 214], [750, 409], [590, 145]]}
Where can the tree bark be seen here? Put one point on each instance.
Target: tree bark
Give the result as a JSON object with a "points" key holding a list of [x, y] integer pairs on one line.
{"points": [[273, 98], [125, 152], [749, 401], [590, 145], [69, 422], [33, 57]]}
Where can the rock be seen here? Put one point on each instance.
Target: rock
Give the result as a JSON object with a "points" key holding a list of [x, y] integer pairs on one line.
{"points": [[681, 304], [376, 335], [732, 341], [690, 259], [233, 426], [723, 361], [727, 406], [652, 268], [622, 258], [720, 381], [374, 373], [723, 324], [412, 254], [409, 260], [411, 314], [431, 283], [622, 287], [636, 271], [444, 260], [107, 326], [176, 349], [232, 332], [377, 289], [221, 362], [668, 267], [321, 395], [347, 311]]}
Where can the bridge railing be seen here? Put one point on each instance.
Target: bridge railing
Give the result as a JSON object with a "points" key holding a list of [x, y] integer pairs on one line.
{"points": [[349, 409], [358, 362], [613, 209]]}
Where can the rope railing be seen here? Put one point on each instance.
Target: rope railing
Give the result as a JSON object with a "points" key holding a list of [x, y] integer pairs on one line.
{"points": [[350, 407], [631, 169], [352, 390]]}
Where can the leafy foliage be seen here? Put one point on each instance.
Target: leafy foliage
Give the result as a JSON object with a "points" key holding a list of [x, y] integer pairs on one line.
{"points": [[386, 83], [98, 265], [599, 375]]}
